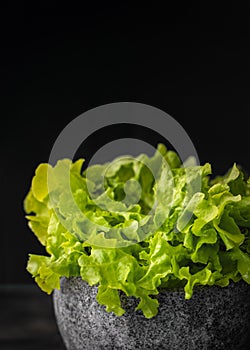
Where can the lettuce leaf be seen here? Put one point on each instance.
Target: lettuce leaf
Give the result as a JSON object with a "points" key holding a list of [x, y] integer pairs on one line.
{"points": [[139, 225]]}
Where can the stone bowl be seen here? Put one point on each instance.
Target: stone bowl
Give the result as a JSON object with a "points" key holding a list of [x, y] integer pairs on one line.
{"points": [[214, 318]]}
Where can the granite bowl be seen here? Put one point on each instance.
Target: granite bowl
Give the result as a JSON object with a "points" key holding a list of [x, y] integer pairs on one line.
{"points": [[214, 318]]}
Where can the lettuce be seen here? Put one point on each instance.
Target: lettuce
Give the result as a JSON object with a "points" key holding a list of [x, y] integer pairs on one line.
{"points": [[139, 225]]}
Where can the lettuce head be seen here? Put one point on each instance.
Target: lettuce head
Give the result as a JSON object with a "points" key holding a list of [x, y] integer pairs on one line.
{"points": [[138, 226]]}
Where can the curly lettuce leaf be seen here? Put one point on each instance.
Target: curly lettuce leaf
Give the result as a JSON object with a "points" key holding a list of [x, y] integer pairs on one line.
{"points": [[138, 226]]}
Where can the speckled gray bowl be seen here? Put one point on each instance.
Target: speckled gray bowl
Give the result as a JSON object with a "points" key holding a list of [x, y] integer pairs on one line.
{"points": [[215, 318]]}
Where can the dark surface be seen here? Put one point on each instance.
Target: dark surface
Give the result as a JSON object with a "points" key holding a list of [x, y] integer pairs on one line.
{"points": [[27, 320]]}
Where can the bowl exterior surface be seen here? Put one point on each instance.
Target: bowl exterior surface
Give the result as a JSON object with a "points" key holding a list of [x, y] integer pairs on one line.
{"points": [[214, 318]]}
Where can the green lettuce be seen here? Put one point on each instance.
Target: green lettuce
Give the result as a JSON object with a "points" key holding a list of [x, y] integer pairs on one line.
{"points": [[138, 226]]}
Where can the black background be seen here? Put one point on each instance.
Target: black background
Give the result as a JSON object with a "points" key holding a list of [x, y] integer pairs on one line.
{"points": [[190, 60]]}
